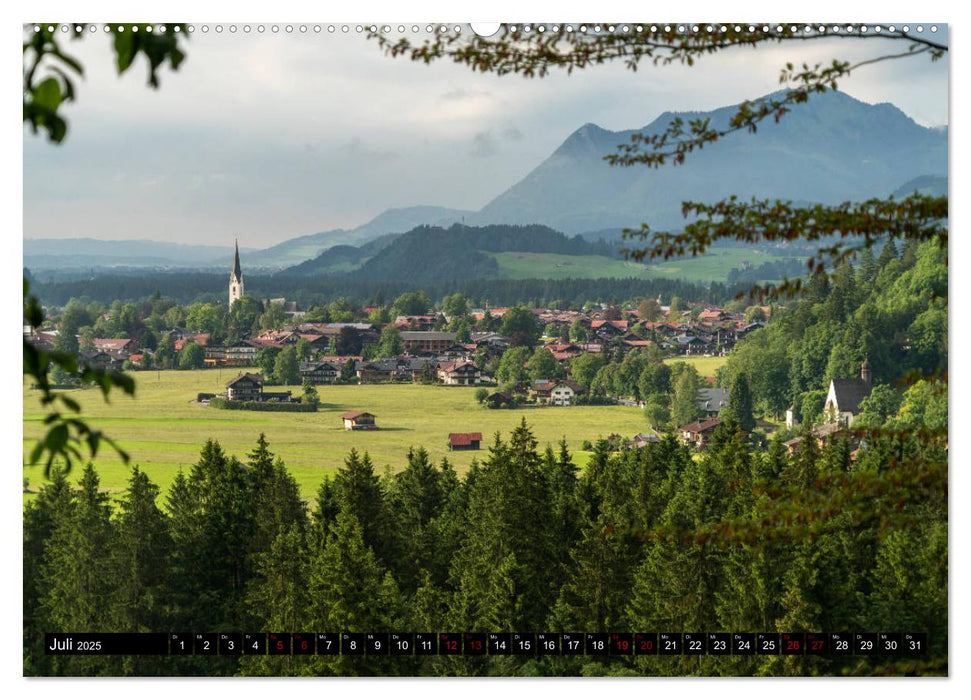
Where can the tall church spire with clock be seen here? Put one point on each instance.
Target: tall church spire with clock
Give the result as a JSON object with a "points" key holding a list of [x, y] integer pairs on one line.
{"points": [[235, 280]]}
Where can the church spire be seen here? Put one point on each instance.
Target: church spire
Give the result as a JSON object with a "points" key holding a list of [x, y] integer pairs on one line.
{"points": [[235, 279], [237, 271]]}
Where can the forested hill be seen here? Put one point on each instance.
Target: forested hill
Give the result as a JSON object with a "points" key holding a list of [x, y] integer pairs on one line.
{"points": [[890, 310], [429, 253]]}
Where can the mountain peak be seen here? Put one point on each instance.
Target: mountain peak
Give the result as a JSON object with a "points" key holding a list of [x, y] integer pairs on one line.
{"points": [[831, 149]]}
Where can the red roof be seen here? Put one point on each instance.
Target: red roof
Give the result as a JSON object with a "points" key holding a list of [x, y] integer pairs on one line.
{"points": [[463, 439], [351, 415]]}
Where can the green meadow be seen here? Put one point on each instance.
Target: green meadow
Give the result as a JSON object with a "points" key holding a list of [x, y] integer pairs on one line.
{"points": [[713, 266], [706, 366], [163, 430]]}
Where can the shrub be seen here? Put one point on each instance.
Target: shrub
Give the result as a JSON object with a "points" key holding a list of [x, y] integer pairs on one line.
{"points": [[225, 404]]}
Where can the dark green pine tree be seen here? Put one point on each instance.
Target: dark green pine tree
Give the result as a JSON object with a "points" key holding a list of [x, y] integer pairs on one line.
{"points": [[509, 514], [139, 565], [326, 507], [185, 529], [280, 599], [360, 493], [260, 462], [277, 502], [803, 468], [417, 500], [867, 269], [41, 516], [773, 461], [140, 558], [76, 591], [561, 477], [739, 405], [888, 253], [350, 591], [213, 524]]}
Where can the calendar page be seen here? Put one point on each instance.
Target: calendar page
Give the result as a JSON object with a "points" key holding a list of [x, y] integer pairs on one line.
{"points": [[559, 348]]}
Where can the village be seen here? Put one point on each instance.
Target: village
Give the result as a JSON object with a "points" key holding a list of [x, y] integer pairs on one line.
{"points": [[431, 354]]}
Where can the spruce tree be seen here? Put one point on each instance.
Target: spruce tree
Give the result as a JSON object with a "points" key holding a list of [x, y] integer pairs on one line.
{"points": [[41, 516], [76, 591], [739, 405]]}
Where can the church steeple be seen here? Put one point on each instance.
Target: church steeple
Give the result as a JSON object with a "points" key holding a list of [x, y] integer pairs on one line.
{"points": [[235, 279]]}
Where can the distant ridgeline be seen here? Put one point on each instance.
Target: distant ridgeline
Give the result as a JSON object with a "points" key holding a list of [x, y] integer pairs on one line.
{"points": [[189, 287], [434, 254]]}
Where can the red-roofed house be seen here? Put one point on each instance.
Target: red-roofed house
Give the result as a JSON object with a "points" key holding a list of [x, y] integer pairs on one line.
{"points": [[464, 441]]}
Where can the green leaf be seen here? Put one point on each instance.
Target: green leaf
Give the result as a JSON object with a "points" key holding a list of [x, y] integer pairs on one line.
{"points": [[56, 438], [47, 95], [124, 48]]}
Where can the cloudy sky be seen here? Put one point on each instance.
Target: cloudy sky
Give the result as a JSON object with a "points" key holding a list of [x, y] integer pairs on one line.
{"points": [[268, 137]]}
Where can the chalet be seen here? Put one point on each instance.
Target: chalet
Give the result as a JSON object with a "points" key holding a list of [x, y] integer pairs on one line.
{"points": [[689, 344], [459, 373], [464, 441], [698, 433], [845, 395], [318, 341], [712, 400], [558, 392], [198, 339], [121, 345], [358, 420], [104, 359], [498, 399], [460, 351], [564, 351], [427, 342], [608, 329], [823, 434], [713, 315], [245, 387], [641, 440], [746, 329], [490, 340], [376, 371], [424, 322], [241, 354], [319, 372]]}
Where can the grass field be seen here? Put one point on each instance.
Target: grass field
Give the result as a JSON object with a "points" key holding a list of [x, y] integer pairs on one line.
{"points": [[713, 266], [164, 432], [706, 366]]}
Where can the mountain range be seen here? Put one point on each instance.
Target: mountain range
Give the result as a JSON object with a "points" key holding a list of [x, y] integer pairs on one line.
{"points": [[831, 149]]}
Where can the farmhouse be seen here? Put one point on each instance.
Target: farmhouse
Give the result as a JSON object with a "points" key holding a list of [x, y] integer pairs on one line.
{"points": [[104, 359], [698, 433], [459, 373], [319, 372], [358, 420], [245, 387], [556, 393], [464, 441]]}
